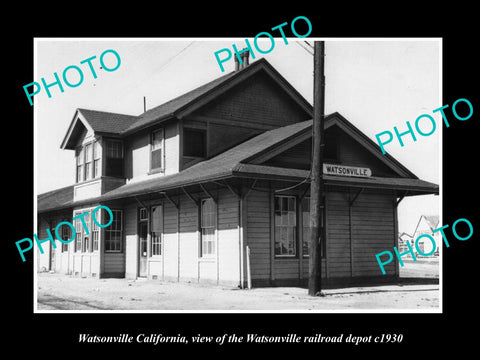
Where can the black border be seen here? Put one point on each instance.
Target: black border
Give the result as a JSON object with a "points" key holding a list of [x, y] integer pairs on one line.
{"points": [[426, 333]]}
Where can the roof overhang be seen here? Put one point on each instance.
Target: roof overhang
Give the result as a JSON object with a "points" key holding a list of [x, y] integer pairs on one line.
{"points": [[77, 125]]}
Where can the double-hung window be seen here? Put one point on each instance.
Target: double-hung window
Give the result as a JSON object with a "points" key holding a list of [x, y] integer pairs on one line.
{"points": [[78, 232], [156, 156], [207, 225], [88, 162], [306, 230], [114, 232], [285, 226], [96, 159], [86, 238], [114, 158], [157, 230], [95, 229], [80, 161], [65, 234]]}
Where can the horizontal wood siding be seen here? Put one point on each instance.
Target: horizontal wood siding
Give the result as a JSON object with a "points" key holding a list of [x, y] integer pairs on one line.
{"points": [[228, 238], [258, 234], [131, 241], [338, 235], [170, 241], [352, 153], [223, 137], [114, 263], [297, 157], [188, 239], [137, 155], [43, 260], [61, 259], [172, 148], [372, 232], [286, 268]]}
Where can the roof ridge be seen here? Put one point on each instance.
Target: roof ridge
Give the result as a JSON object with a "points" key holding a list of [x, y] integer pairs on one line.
{"points": [[105, 112]]}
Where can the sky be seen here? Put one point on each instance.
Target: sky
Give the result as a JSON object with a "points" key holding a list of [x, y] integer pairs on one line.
{"points": [[376, 84]]}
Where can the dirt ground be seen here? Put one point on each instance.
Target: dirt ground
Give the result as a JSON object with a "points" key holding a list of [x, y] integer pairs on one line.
{"points": [[62, 292]]}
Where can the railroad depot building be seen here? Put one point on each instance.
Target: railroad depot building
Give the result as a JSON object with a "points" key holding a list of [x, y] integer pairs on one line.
{"points": [[213, 186]]}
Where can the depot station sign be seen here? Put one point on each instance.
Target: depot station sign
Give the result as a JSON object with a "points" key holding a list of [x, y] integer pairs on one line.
{"points": [[341, 170]]}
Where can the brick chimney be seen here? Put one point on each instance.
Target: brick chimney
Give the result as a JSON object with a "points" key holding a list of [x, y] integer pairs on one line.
{"points": [[245, 60]]}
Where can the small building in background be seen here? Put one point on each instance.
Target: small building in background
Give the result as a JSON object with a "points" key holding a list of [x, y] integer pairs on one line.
{"points": [[403, 238], [425, 226]]}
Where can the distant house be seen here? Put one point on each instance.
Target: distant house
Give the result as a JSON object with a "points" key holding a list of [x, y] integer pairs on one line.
{"points": [[221, 173], [426, 225], [403, 238]]}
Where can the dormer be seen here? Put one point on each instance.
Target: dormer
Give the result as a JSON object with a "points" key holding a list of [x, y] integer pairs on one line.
{"points": [[99, 151]]}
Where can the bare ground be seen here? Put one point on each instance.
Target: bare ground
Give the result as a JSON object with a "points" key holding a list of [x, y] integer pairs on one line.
{"points": [[62, 292]]}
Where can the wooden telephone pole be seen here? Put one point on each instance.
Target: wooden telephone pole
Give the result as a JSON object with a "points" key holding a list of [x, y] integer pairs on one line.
{"points": [[317, 194]]}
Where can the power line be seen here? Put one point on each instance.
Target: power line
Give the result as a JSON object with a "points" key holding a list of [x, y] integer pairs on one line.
{"points": [[174, 56], [303, 47]]}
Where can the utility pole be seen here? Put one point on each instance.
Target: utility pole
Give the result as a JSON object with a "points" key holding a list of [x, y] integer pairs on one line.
{"points": [[317, 194]]}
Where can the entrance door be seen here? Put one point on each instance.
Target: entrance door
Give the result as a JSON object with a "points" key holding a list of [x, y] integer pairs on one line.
{"points": [[142, 255]]}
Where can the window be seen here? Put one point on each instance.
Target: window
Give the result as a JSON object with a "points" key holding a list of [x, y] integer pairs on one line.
{"points": [[194, 142], [157, 230], [113, 233], [88, 162], [156, 158], [80, 160], [78, 232], [65, 233], [306, 231], [285, 226], [114, 158], [95, 230], [143, 214], [86, 238], [207, 224], [96, 160]]}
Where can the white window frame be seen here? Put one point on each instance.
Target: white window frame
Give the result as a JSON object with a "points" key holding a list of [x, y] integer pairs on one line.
{"points": [[307, 241], [110, 230], [158, 236], [295, 227], [154, 147], [83, 164], [213, 236]]}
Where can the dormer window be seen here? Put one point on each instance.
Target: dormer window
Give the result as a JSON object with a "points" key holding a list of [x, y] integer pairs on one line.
{"points": [[156, 151], [88, 162], [114, 158]]}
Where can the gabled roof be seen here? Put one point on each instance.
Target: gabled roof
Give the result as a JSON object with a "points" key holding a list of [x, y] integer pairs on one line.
{"points": [[192, 100], [336, 119], [431, 220], [122, 125], [107, 122], [99, 122]]}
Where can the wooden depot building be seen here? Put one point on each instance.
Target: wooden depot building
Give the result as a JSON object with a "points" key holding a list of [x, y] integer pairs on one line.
{"points": [[213, 186]]}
